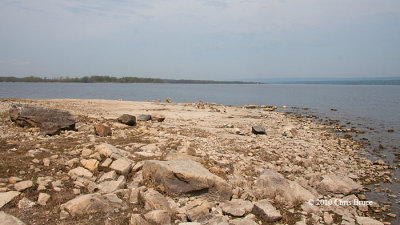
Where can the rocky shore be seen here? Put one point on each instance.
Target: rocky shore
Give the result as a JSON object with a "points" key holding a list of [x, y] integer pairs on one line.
{"points": [[122, 162]]}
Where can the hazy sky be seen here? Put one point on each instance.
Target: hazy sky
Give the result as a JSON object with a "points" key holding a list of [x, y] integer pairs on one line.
{"points": [[200, 39]]}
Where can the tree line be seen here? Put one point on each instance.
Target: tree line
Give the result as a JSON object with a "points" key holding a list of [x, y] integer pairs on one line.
{"points": [[109, 79]]}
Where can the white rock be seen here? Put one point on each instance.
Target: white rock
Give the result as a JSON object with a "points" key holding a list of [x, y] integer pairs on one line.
{"points": [[25, 204], [6, 197], [7, 219], [23, 185]]}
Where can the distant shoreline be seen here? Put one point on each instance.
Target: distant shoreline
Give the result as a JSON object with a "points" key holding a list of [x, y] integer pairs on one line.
{"points": [[108, 79]]}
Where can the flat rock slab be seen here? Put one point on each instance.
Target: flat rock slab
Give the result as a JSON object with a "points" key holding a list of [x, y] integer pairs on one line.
{"points": [[121, 166], [7, 219], [80, 172], [50, 121], [6, 197], [258, 130], [23, 185], [88, 204], [185, 177], [237, 207], [267, 211], [275, 186], [153, 200], [127, 119], [339, 184]]}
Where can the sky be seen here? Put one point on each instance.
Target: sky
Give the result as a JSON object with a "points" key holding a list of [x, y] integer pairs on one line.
{"points": [[200, 39]]}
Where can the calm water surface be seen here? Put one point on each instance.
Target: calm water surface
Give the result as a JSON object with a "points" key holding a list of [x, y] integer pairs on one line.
{"points": [[364, 106]]}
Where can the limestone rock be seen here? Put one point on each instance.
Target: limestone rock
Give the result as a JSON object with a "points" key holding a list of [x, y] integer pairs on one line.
{"points": [[244, 221], [273, 185], [7, 219], [112, 175], [43, 198], [339, 184], [90, 164], [102, 130], [185, 177], [111, 186], [153, 200], [87, 204], [198, 210], [328, 218], [50, 121], [237, 207], [367, 221], [137, 219], [25, 203], [267, 211], [258, 130], [80, 172], [23, 185], [6, 197], [108, 150], [122, 166], [127, 119], [159, 217]]}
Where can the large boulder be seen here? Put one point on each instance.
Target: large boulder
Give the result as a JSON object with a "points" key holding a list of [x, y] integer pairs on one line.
{"points": [[88, 204], [185, 177], [127, 119], [7, 219], [338, 184], [273, 185], [50, 121]]}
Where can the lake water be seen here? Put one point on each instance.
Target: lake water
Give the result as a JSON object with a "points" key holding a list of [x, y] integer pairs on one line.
{"points": [[364, 106]]}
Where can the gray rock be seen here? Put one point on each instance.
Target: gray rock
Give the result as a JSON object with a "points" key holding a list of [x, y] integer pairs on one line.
{"points": [[367, 221], [258, 130], [339, 184], [50, 121], [6, 197], [144, 117], [127, 119], [23, 185], [160, 217], [137, 219], [122, 166], [273, 185], [267, 211], [108, 150], [185, 177], [237, 207], [7, 219]]}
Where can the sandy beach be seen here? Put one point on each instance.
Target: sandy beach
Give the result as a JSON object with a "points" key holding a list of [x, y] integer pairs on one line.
{"points": [[192, 162]]}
